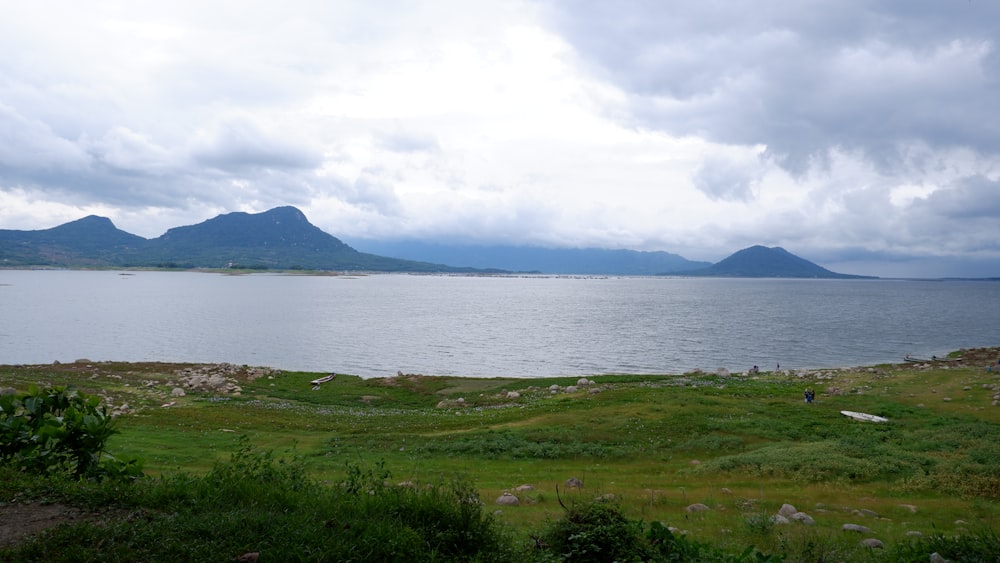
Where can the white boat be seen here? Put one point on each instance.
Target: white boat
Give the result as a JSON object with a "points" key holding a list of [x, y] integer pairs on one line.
{"points": [[864, 416]]}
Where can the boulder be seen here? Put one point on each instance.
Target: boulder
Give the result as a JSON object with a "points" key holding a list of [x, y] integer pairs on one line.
{"points": [[872, 543], [856, 528], [574, 483], [508, 499], [803, 518], [697, 507], [787, 510], [177, 392]]}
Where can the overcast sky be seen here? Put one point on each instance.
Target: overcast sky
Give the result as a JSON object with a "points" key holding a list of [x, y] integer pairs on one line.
{"points": [[862, 135]]}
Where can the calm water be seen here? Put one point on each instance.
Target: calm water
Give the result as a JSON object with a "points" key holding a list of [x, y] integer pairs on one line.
{"points": [[486, 326]]}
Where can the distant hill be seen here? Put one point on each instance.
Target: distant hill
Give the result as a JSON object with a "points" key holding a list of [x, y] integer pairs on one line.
{"points": [[281, 238], [579, 261], [763, 262], [90, 241]]}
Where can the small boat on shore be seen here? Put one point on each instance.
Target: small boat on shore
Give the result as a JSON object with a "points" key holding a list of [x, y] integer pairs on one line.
{"points": [[864, 416]]}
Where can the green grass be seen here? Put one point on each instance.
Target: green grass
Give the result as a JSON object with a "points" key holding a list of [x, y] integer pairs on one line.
{"points": [[655, 444]]}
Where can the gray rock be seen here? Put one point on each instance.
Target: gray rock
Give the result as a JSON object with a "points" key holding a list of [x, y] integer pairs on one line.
{"points": [[574, 483], [177, 392], [856, 528], [779, 519], [697, 507], [787, 510], [523, 488], [872, 543], [937, 558], [508, 499], [8, 391], [803, 518]]}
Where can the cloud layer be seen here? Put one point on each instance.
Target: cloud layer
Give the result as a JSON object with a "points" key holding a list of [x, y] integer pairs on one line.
{"points": [[862, 135]]}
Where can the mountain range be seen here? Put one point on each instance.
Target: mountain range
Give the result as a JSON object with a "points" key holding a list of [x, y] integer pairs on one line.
{"points": [[283, 239]]}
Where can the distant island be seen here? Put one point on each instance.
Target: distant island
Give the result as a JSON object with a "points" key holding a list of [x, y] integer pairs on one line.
{"points": [[283, 239], [762, 262]]}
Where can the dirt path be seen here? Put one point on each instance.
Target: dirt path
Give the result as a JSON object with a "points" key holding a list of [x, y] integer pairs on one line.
{"points": [[20, 520]]}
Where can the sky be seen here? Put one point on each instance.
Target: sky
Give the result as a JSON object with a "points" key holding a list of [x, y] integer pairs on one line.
{"points": [[861, 135]]}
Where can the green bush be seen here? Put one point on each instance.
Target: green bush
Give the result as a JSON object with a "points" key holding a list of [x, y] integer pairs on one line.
{"points": [[58, 430]]}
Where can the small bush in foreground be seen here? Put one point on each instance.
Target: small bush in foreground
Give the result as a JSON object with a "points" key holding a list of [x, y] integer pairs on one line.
{"points": [[58, 430], [598, 532]]}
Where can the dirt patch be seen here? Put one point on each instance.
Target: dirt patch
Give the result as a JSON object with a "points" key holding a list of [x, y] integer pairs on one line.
{"points": [[18, 521]]}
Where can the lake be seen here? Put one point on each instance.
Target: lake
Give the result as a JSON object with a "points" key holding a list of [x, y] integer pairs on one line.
{"points": [[530, 326]]}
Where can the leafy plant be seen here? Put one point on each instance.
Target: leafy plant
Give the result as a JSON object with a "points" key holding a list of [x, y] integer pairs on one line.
{"points": [[58, 430]]}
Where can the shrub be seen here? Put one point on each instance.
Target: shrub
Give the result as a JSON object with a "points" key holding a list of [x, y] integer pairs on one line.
{"points": [[58, 430]]}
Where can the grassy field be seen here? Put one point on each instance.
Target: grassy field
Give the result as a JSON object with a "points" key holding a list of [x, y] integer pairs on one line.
{"points": [[741, 446]]}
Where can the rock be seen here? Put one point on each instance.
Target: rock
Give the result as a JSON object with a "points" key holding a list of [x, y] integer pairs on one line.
{"points": [[177, 392], [523, 488], [803, 518], [513, 395], [856, 528], [872, 543], [726, 491], [779, 519], [572, 389], [909, 507], [722, 372], [787, 510], [869, 513], [251, 557], [574, 483], [937, 558], [914, 534], [696, 507], [508, 499], [583, 382], [7, 391]]}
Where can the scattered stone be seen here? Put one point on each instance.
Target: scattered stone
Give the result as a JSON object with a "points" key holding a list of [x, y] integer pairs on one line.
{"points": [[7, 391], [696, 507], [909, 507], [779, 519], [937, 558], [572, 389], [726, 491], [168, 405], [508, 499], [872, 543], [513, 395], [787, 510], [251, 557], [574, 483], [583, 382], [523, 488], [177, 392], [866, 512], [914, 534], [803, 518], [856, 528]]}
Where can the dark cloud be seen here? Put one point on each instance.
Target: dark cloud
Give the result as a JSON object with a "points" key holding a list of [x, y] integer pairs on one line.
{"points": [[801, 78]]}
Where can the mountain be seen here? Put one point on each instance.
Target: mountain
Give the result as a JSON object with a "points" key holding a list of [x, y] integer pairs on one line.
{"points": [[579, 261], [90, 241], [281, 238], [762, 262]]}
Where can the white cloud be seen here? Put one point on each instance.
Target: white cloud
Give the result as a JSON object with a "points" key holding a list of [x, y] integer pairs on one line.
{"points": [[697, 128]]}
